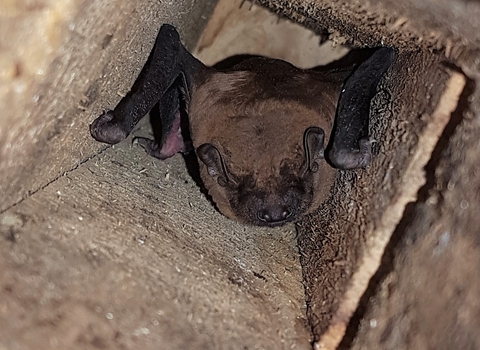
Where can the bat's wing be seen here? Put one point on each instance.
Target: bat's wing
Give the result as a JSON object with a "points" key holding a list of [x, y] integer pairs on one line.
{"points": [[169, 69], [351, 146]]}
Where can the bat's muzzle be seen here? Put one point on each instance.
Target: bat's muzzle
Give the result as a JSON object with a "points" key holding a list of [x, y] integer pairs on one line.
{"points": [[274, 214]]}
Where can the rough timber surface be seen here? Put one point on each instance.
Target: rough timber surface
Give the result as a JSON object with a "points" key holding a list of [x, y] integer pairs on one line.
{"points": [[334, 239], [62, 62], [125, 252]]}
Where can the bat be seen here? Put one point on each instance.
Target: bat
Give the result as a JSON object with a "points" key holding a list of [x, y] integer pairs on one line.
{"points": [[268, 135]]}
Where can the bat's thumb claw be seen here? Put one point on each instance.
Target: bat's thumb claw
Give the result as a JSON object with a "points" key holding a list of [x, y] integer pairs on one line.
{"points": [[106, 129]]}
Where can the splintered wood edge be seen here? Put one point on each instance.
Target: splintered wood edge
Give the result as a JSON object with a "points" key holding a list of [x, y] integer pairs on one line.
{"points": [[413, 179]]}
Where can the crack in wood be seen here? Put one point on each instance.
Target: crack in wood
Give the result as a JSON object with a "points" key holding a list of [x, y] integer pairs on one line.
{"points": [[56, 178]]}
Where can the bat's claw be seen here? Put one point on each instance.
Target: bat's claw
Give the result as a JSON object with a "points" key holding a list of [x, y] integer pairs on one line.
{"points": [[106, 129], [152, 148], [346, 159]]}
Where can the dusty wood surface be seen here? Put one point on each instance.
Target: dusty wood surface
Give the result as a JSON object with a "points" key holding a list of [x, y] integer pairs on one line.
{"points": [[412, 179], [62, 63], [125, 252]]}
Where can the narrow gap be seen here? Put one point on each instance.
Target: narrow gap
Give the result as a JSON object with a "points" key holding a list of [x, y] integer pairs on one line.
{"points": [[65, 173], [388, 259]]}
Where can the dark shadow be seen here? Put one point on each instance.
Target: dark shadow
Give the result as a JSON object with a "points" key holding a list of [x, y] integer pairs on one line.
{"points": [[190, 157], [155, 121], [353, 58], [346, 63], [230, 62]]}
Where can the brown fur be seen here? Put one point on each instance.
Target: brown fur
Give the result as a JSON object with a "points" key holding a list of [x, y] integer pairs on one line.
{"points": [[257, 119]]}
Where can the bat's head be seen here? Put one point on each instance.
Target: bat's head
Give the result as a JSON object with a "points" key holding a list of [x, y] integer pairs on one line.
{"points": [[261, 149]]}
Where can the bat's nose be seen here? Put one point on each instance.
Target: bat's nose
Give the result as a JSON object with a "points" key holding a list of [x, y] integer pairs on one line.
{"points": [[274, 214]]}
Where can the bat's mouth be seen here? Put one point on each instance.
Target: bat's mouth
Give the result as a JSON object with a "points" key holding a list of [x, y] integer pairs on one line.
{"points": [[273, 224], [278, 223]]}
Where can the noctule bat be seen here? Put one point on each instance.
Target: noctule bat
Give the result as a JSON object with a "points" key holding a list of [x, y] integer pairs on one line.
{"points": [[259, 127]]}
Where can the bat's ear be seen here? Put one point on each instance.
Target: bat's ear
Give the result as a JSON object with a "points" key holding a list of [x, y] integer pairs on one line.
{"points": [[313, 140], [211, 157]]}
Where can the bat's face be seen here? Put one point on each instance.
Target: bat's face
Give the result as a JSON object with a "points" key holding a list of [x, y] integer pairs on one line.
{"points": [[270, 190]]}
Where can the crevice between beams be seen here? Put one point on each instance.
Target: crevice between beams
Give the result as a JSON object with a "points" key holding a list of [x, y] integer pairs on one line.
{"points": [[387, 262], [413, 180]]}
